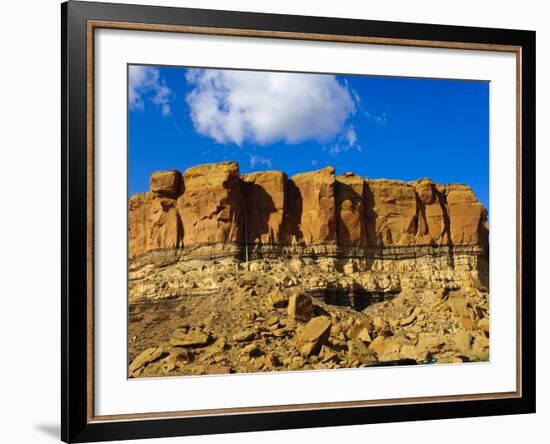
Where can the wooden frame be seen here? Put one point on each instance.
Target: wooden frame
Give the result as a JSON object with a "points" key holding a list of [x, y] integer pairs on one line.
{"points": [[79, 21]]}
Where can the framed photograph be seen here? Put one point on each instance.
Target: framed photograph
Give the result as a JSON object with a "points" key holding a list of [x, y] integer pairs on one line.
{"points": [[275, 221]]}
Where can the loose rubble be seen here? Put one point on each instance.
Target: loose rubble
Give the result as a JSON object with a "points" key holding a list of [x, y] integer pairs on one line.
{"points": [[260, 324]]}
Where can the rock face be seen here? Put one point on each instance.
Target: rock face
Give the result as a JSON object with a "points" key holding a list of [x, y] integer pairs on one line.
{"points": [[213, 210], [265, 198], [392, 213], [154, 223], [318, 206], [352, 230], [211, 205], [468, 217], [433, 224]]}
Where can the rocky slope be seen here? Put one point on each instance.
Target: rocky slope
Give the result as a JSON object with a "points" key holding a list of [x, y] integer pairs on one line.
{"points": [[313, 271]]}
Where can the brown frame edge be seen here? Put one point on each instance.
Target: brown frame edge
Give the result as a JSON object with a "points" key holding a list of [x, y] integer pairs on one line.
{"points": [[231, 32]]}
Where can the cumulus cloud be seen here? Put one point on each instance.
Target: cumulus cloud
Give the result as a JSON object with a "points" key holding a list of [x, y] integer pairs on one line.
{"points": [[145, 83], [265, 107]]}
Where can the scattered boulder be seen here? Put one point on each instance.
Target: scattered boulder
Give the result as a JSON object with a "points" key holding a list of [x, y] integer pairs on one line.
{"points": [[146, 357], [315, 334], [244, 336], [300, 307], [358, 351], [191, 338], [361, 331]]}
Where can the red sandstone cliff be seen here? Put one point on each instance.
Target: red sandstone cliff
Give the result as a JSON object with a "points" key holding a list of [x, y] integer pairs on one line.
{"points": [[214, 205]]}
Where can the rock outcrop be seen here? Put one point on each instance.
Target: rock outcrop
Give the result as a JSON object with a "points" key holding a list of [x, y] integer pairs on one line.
{"points": [[318, 206], [392, 213], [265, 200], [357, 224], [261, 272], [352, 227], [211, 204], [468, 218]]}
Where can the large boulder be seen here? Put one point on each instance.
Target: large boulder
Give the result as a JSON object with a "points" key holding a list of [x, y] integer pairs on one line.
{"points": [[190, 338], [351, 214], [265, 194], [166, 183], [300, 307], [211, 205], [314, 335]]}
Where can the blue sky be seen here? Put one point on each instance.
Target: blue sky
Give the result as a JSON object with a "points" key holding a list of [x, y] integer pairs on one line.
{"points": [[397, 128]]}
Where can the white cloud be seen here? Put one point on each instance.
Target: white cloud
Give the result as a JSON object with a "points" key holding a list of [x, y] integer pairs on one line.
{"points": [[145, 81], [259, 160], [264, 107], [346, 141], [351, 136]]}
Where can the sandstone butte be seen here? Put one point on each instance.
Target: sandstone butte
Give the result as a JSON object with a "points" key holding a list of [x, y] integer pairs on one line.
{"points": [[262, 272], [214, 204], [212, 210]]}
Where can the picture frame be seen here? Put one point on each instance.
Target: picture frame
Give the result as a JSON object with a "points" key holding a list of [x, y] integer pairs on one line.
{"points": [[80, 21]]}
